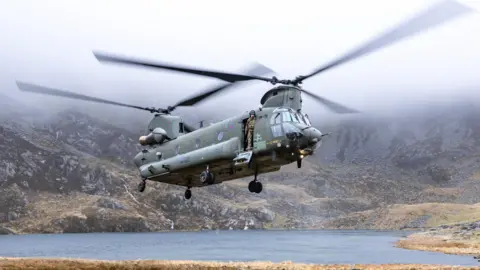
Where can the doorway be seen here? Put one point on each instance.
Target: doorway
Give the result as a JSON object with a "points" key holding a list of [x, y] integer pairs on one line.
{"points": [[245, 135]]}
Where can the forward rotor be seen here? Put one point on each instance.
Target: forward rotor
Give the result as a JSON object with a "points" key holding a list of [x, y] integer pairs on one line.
{"points": [[432, 17]]}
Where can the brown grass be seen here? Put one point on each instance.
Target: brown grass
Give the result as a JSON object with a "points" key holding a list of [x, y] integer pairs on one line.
{"points": [[399, 215], [476, 176], [439, 244], [34, 263], [45, 208], [441, 213], [453, 192]]}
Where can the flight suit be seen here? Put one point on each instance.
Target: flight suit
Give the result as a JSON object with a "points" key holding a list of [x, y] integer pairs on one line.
{"points": [[250, 127]]}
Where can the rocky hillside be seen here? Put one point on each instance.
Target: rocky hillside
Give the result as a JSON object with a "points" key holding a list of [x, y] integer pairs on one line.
{"points": [[72, 173]]}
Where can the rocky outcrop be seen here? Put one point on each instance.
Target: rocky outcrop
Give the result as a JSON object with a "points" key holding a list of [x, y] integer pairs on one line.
{"points": [[4, 231], [13, 202]]}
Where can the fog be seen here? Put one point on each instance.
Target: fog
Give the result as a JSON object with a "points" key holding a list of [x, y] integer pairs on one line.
{"points": [[51, 43]]}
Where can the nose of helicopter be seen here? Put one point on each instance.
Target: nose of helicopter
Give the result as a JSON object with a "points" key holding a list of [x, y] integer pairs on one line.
{"points": [[314, 136]]}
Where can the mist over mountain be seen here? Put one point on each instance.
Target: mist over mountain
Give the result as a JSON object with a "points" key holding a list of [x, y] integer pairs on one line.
{"points": [[80, 161]]}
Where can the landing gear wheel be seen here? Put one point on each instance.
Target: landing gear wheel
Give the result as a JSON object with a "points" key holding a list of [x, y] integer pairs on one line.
{"points": [[211, 178], [142, 185], [188, 194], [207, 178], [258, 187], [251, 186], [204, 177], [255, 186]]}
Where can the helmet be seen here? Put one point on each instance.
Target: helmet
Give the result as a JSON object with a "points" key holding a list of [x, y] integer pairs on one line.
{"points": [[252, 112]]}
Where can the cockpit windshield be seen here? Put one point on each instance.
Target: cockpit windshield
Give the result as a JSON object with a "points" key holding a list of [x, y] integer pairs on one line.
{"points": [[289, 116]]}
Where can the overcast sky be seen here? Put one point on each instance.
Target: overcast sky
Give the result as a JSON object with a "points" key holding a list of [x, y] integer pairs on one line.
{"points": [[51, 43]]}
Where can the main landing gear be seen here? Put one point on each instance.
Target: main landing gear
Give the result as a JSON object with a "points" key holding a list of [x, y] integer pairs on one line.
{"points": [[207, 178], [254, 185]]}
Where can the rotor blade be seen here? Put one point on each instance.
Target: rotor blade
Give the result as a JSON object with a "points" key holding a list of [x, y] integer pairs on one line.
{"points": [[229, 77], [432, 17], [333, 106], [196, 99], [255, 70], [27, 87]]}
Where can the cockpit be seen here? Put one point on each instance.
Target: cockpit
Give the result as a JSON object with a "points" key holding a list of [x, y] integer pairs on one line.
{"points": [[286, 115]]}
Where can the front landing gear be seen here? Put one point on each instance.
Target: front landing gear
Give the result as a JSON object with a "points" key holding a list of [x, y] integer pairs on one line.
{"points": [[254, 185], [188, 194], [142, 185]]}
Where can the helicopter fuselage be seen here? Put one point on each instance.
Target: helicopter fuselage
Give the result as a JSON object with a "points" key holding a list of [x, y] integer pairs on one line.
{"points": [[281, 136]]}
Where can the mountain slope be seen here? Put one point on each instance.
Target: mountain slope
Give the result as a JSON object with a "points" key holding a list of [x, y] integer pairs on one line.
{"points": [[72, 173]]}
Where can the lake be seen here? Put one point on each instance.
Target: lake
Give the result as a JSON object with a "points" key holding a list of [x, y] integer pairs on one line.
{"points": [[302, 246]]}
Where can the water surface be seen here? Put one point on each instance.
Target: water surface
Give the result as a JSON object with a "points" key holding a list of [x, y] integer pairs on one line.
{"points": [[309, 246]]}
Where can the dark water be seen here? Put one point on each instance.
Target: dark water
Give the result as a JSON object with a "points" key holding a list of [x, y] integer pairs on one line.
{"points": [[298, 246]]}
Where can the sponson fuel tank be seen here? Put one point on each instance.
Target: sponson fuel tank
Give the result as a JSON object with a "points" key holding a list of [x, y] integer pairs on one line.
{"points": [[224, 150]]}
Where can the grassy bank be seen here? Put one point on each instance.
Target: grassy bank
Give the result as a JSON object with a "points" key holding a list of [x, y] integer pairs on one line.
{"points": [[18, 263], [444, 244]]}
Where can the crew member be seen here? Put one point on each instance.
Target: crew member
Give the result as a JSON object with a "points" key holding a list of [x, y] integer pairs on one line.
{"points": [[249, 129]]}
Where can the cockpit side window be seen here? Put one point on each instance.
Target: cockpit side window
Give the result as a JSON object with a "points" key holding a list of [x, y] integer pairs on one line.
{"points": [[302, 119], [307, 120], [276, 119], [295, 117]]}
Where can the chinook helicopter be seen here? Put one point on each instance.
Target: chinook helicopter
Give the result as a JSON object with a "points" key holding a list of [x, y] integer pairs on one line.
{"points": [[176, 153]]}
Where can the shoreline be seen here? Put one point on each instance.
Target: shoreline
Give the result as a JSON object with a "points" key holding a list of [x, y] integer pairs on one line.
{"points": [[444, 243], [9, 231], [45, 263]]}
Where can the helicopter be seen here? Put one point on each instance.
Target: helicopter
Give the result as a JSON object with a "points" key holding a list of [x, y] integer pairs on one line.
{"points": [[179, 154]]}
